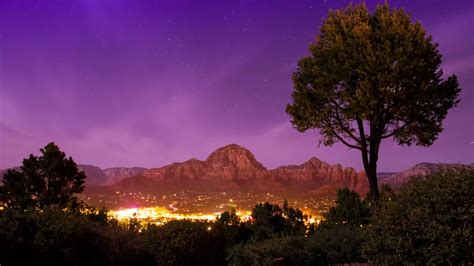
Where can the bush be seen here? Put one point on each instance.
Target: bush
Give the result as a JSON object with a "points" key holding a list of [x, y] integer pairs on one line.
{"points": [[340, 243], [430, 221], [341, 235], [185, 243], [277, 251]]}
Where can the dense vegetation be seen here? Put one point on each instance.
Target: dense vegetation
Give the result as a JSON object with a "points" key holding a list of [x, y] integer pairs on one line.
{"points": [[428, 221]]}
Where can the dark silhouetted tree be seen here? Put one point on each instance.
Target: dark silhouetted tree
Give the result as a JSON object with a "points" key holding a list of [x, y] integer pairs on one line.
{"points": [[294, 220], [270, 220], [340, 236], [349, 209], [229, 225], [267, 221], [50, 179], [370, 77]]}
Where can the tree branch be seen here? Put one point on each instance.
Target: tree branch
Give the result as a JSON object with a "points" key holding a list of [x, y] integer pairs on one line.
{"points": [[363, 142], [345, 142], [341, 124], [394, 132]]}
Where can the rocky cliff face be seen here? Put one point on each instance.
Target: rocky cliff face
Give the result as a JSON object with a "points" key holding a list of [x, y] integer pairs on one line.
{"points": [[318, 173], [223, 169], [234, 163], [234, 167]]}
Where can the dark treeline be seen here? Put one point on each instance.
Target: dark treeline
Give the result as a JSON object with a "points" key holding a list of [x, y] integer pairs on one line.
{"points": [[428, 221]]}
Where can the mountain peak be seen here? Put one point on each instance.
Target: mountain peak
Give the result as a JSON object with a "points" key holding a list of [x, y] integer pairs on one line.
{"points": [[232, 146], [235, 155], [314, 160]]}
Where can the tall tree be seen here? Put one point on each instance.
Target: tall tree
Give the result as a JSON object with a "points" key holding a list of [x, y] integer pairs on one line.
{"points": [[370, 77], [50, 179]]}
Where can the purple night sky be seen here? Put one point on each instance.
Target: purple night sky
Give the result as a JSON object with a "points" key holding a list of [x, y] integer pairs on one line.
{"points": [[136, 83]]}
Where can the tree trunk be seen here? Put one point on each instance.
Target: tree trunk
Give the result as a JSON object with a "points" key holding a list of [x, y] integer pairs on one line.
{"points": [[373, 182], [370, 155], [369, 159]]}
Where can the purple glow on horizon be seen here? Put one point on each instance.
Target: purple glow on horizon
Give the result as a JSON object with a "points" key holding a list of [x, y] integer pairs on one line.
{"points": [[122, 83]]}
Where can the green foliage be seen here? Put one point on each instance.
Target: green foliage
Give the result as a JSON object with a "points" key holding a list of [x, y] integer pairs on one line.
{"points": [[340, 243], [269, 220], [340, 235], [229, 225], [294, 221], [349, 209], [277, 251], [54, 237], [50, 179], [185, 243], [95, 215], [370, 77], [376, 67], [430, 221], [229, 218]]}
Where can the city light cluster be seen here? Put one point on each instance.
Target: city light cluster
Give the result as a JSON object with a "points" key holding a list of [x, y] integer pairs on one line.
{"points": [[159, 215]]}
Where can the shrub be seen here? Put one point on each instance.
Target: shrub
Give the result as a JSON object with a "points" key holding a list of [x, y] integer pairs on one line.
{"points": [[279, 251], [430, 221], [185, 243]]}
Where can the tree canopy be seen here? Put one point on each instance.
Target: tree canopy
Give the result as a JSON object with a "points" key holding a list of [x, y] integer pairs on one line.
{"points": [[340, 235], [49, 179], [349, 209], [271, 220], [369, 77]]}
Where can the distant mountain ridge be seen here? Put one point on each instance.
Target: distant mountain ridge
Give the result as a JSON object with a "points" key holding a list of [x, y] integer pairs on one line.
{"points": [[233, 167]]}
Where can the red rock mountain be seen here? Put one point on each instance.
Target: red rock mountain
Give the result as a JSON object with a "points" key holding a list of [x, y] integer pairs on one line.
{"points": [[233, 167], [317, 172]]}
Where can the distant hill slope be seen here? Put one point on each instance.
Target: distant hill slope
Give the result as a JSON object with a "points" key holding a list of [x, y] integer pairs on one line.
{"points": [[385, 175], [95, 175], [421, 169]]}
